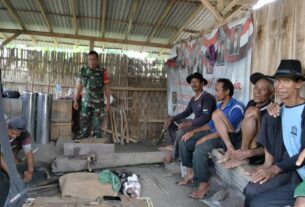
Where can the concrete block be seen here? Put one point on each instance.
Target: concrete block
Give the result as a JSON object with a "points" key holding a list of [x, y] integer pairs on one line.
{"points": [[85, 148], [63, 164], [233, 177]]}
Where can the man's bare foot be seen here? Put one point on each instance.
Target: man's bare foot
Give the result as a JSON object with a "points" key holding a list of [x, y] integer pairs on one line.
{"points": [[240, 154], [201, 191], [168, 148], [168, 159], [188, 179], [235, 163], [225, 157]]}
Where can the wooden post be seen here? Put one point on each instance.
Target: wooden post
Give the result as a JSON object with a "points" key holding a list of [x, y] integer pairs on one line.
{"points": [[91, 47]]}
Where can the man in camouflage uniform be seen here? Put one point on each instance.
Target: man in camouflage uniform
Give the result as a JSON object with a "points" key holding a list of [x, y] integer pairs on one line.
{"points": [[93, 84]]}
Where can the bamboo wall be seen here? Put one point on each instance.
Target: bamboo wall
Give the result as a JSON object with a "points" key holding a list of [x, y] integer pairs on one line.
{"points": [[138, 86]]}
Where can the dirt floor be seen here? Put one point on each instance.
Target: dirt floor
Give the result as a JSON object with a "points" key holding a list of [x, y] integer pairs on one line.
{"points": [[159, 185]]}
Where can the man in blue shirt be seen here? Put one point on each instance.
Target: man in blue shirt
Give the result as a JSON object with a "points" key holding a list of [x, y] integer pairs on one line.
{"points": [[255, 109], [283, 137], [202, 105], [194, 149]]}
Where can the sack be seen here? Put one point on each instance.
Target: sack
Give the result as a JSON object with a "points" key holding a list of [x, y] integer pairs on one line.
{"points": [[84, 185]]}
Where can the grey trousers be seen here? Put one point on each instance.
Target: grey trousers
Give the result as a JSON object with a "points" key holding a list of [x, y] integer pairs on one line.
{"points": [[175, 136], [278, 197], [256, 193]]}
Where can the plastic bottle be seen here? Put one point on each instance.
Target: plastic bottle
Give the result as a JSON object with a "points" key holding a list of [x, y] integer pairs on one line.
{"points": [[58, 91]]}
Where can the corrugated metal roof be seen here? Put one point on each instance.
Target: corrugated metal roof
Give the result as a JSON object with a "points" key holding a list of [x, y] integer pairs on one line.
{"points": [[61, 24], [24, 4], [33, 21], [118, 9], [88, 27], [90, 8], [148, 13], [7, 22], [57, 6], [179, 14]]}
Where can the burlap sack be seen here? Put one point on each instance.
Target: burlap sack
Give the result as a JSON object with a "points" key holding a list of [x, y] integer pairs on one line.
{"points": [[84, 185]]}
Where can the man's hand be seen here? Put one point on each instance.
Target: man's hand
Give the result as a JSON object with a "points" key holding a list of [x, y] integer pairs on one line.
{"points": [[75, 105], [200, 141], [187, 136], [28, 176], [263, 175], [167, 122], [301, 158], [240, 154], [184, 125], [273, 110]]}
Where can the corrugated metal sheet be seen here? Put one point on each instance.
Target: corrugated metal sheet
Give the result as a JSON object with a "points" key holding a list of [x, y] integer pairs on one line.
{"points": [[179, 14], [203, 20], [165, 33], [90, 8], [33, 21], [88, 27], [139, 32], [61, 24], [7, 22], [150, 11], [58, 6], [24, 4], [118, 9], [115, 29]]}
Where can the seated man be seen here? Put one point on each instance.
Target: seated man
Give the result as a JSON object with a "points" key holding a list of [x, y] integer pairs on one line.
{"points": [[282, 137], [20, 138], [194, 150], [262, 95], [202, 105]]}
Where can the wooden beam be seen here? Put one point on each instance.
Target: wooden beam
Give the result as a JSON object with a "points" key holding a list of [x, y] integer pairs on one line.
{"points": [[234, 13], [220, 5], [44, 15], [186, 23], [161, 19], [215, 13], [8, 40], [229, 7], [74, 11], [132, 14], [13, 13], [85, 37], [103, 17]]}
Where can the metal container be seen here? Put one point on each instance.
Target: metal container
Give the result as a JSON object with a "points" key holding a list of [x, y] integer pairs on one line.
{"points": [[43, 118], [29, 104]]}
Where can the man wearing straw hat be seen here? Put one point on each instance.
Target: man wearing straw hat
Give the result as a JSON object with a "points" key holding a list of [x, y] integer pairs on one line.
{"points": [[93, 84]]}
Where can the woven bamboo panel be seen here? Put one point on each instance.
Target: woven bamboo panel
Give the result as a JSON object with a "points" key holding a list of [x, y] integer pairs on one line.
{"points": [[26, 70]]}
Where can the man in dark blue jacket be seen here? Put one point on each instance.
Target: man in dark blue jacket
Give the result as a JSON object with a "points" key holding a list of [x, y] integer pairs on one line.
{"points": [[283, 137], [202, 105]]}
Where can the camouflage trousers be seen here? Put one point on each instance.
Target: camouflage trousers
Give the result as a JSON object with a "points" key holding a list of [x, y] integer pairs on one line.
{"points": [[91, 118]]}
